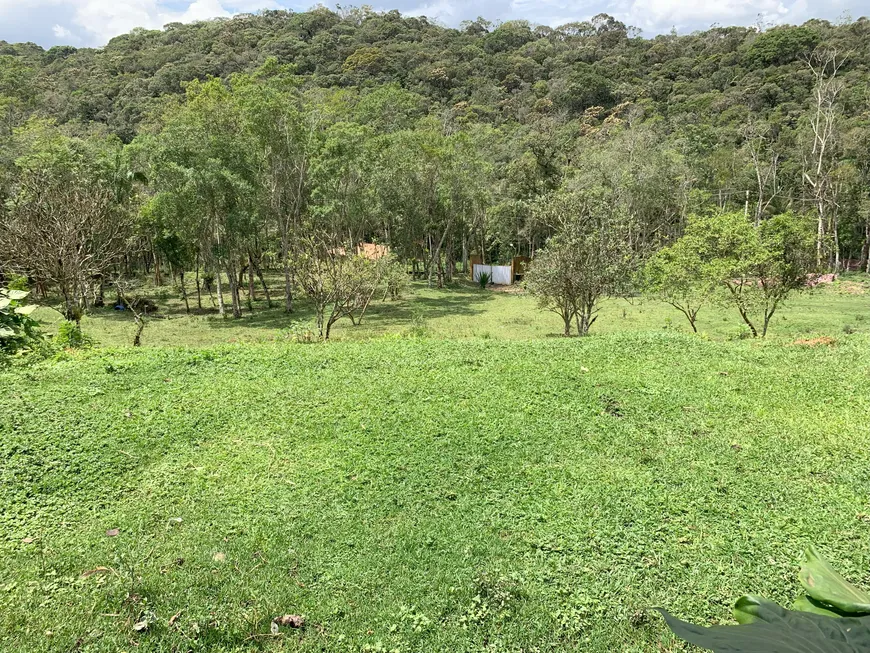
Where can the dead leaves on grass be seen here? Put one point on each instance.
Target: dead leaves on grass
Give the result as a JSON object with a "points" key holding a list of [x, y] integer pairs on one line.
{"points": [[288, 620], [97, 571]]}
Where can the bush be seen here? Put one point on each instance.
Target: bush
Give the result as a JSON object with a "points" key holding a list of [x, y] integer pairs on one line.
{"points": [[70, 336], [18, 331], [18, 283], [483, 279], [300, 332], [395, 280]]}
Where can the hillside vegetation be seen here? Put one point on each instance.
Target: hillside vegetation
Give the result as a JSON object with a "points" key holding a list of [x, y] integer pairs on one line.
{"points": [[248, 140]]}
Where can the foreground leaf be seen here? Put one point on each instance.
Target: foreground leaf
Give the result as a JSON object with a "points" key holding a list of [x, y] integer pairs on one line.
{"points": [[777, 630], [825, 585], [808, 604], [746, 609]]}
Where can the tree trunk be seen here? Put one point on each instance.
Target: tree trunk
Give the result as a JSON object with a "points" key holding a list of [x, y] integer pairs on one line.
{"points": [[101, 298], [140, 327], [198, 291], [262, 283], [288, 287], [222, 311], [183, 291], [158, 278], [233, 279], [251, 295]]}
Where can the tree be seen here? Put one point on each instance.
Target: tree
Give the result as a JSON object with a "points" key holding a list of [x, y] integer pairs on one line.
{"points": [[588, 258], [758, 267], [676, 275], [66, 229], [820, 160], [284, 133], [759, 142], [338, 281], [201, 162]]}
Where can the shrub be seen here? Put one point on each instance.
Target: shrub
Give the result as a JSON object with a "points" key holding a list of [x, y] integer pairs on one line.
{"points": [[70, 336], [483, 279], [18, 283], [395, 280], [18, 331], [300, 332]]}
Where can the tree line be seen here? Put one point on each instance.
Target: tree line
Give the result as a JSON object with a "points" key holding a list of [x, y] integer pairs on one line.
{"points": [[586, 147]]}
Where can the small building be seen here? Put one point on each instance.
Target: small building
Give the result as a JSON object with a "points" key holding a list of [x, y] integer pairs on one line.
{"points": [[500, 275]]}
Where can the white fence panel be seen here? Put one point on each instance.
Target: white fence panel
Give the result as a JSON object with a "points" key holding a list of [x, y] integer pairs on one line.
{"points": [[501, 275], [498, 274]]}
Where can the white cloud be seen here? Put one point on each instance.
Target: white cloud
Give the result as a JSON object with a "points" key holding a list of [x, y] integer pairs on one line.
{"points": [[103, 19], [94, 22], [61, 32], [442, 10], [656, 16]]}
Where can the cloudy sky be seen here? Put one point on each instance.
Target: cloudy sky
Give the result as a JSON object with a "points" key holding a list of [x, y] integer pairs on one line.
{"points": [[93, 22]]}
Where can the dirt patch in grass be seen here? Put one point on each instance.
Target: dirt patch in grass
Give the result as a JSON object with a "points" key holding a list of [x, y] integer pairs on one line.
{"points": [[513, 289], [852, 288], [815, 342]]}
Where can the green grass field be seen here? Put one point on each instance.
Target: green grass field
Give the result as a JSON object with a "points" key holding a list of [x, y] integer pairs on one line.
{"points": [[495, 491], [464, 311]]}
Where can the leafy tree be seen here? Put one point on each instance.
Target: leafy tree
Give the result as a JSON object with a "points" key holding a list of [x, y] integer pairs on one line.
{"points": [[201, 161], [677, 275], [587, 259], [759, 267]]}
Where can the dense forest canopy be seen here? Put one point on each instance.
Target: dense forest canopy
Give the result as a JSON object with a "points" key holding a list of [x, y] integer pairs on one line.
{"points": [[232, 141]]}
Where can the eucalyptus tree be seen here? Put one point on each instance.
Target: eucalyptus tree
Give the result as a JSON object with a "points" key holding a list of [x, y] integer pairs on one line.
{"points": [[820, 157], [201, 162], [283, 127], [431, 186]]}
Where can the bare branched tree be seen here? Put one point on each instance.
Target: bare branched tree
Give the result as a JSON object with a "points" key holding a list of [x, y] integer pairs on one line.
{"points": [[819, 161], [66, 231], [338, 281], [760, 140]]}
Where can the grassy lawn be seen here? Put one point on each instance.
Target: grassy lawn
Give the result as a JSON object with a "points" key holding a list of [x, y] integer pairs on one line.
{"points": [[419, 494], [465, 311]]}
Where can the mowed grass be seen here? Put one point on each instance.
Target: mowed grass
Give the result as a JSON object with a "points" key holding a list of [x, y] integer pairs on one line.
{"points": [[418, 494], [464, 311]]}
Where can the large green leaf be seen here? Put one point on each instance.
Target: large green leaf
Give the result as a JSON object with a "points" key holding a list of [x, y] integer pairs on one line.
{"points": [[26, 310], [17, 294], [826, 586], [809, 604], [777, 630], [746, 609], [4, 302]]}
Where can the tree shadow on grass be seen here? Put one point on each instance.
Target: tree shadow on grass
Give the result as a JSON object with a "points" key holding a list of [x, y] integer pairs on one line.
{"points": [[459, 300], [422, 303]]}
